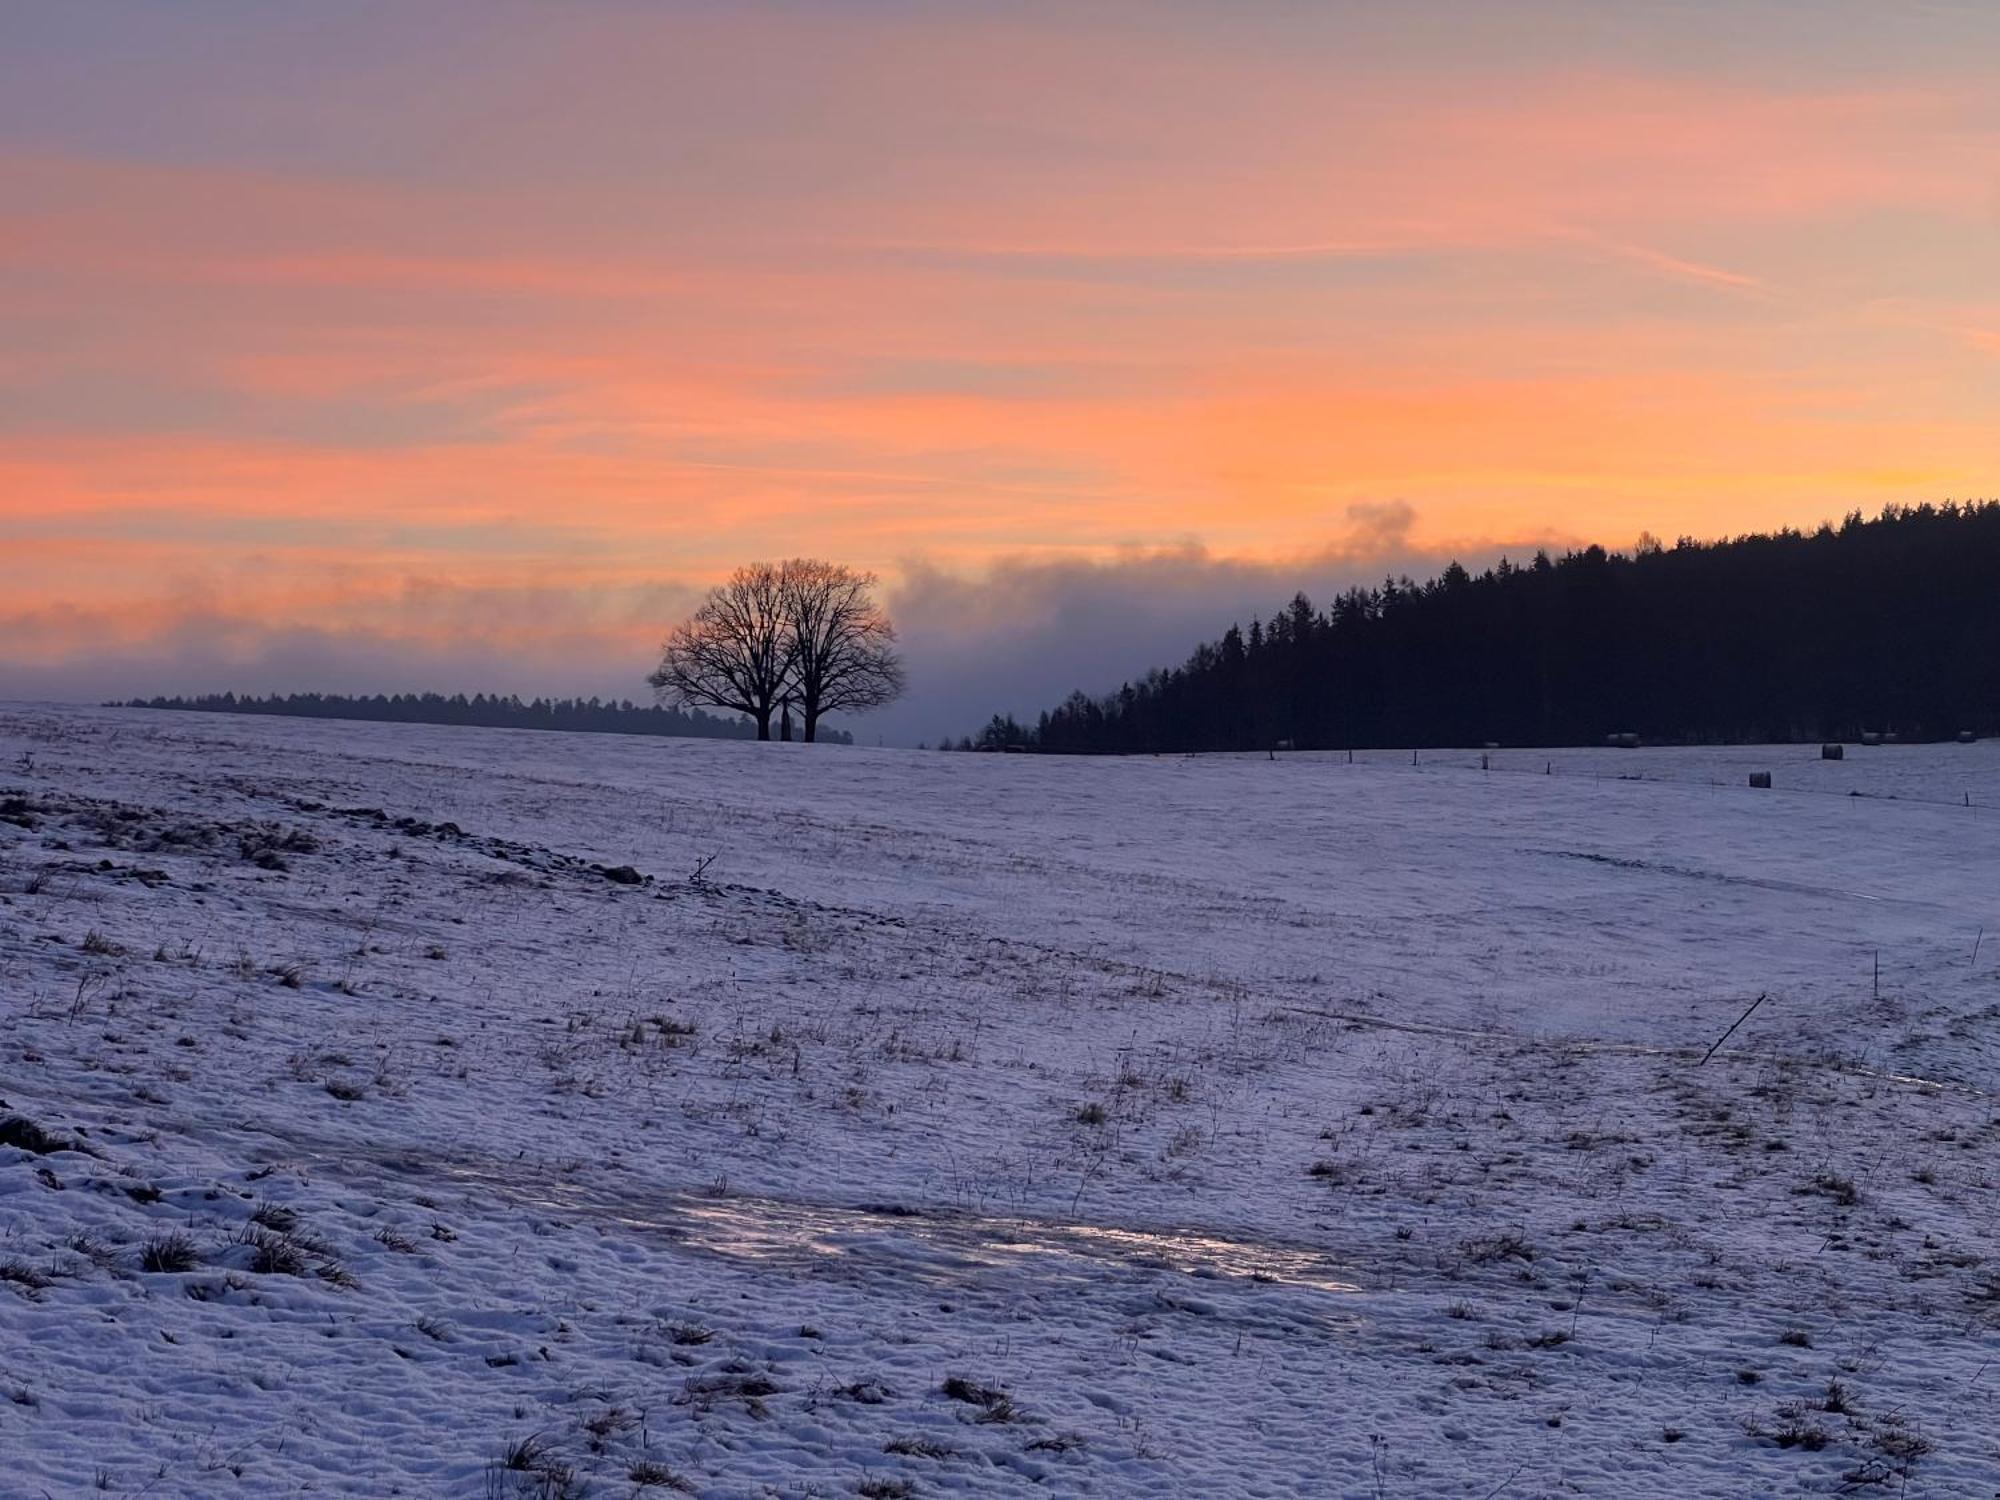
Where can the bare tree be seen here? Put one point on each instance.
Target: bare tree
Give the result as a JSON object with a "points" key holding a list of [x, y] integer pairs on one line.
{"points": [[735, 651], [843, 653]]}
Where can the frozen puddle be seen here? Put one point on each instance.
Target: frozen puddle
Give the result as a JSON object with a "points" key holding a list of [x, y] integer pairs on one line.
{"points": [[764, 1228], [947, 1246]]}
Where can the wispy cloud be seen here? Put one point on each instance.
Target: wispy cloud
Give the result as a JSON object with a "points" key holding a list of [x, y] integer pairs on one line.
{"points": [[1674, 267]]}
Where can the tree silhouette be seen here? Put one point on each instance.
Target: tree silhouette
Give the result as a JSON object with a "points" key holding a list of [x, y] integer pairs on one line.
{"points": [[842, 645], [735, 651]]}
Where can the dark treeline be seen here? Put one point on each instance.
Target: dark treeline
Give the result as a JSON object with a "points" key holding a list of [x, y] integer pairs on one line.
{"points": [[1890, 624], [495, 711]]}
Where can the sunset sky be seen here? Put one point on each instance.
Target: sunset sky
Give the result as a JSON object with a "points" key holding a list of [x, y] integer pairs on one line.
{"points": [[460, 345]]}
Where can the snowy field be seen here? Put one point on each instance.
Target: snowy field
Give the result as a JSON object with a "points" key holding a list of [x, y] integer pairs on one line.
{"points": [[435, 1112]]}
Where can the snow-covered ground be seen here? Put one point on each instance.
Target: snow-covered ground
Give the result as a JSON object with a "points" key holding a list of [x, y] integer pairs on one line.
{"points": [[432, 1112]]}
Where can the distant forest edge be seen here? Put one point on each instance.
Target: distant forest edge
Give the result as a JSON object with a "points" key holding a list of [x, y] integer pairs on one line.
{"points": [[1889, 625], [585, 715]]}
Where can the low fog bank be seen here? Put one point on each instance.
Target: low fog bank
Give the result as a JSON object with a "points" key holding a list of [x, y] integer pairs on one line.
{"points": [[1016, 637]]}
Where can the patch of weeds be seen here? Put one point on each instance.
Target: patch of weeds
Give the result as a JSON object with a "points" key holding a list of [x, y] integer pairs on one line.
{"points": [[1091, 1114], [690, 1333], [551, 1478], [1487, 1250], [19, 1273], [1832, 1185], [646, 1474], [885, 1489], [1061, 1442], [1796, 1338], [732, 1384], [391, 1239], [918, 1447], [524, 1455], [1331, 1171], [1897, 1450], [275, 1217], [1796, 1429], [867, 1392], [83, 1243], [25, 1135], [169, 1254], [265, 845], [1903, 1445], [274, 1254], [96, 943], [994, 1405]]}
